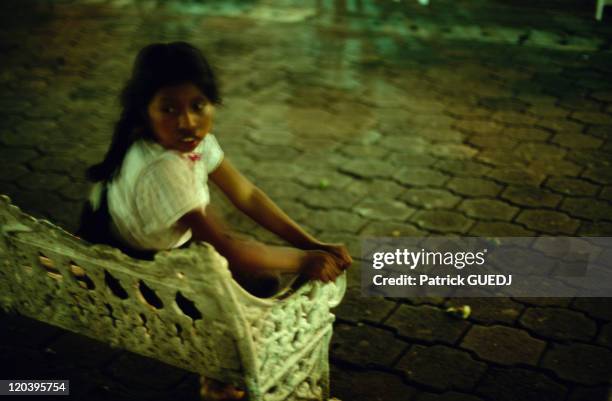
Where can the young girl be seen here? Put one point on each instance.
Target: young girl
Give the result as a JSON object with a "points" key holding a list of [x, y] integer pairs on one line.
{"points": [[152, 191]]}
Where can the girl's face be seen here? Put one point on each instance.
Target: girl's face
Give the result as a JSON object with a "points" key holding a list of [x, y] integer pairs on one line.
{"points": [[180, 116]]}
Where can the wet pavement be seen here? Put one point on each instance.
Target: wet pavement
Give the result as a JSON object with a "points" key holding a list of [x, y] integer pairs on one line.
{"points": [[359, 118]]}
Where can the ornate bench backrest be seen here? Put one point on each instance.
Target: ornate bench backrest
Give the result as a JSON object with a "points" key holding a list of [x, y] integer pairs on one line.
{"points": [[183, 308]]}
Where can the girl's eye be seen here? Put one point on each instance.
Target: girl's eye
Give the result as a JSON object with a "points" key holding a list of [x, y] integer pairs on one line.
{"points": [[168, 109], [199, 106]]}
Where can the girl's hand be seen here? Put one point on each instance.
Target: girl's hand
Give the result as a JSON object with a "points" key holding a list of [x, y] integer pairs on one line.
{"points": [[321, 265], [338, 250]]}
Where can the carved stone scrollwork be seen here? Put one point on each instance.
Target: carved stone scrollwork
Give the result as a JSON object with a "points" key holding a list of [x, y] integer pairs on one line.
{"points": [[183, 308]]}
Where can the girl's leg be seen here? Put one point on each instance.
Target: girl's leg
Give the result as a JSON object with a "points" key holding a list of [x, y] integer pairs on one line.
{"points": [[261, 285]]}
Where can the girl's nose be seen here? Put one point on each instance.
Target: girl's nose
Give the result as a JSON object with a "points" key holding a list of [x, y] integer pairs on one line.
{"points": [[187, 120]]}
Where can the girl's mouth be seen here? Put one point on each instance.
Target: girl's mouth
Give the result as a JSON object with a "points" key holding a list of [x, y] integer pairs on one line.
{"points": [[189, 139]]}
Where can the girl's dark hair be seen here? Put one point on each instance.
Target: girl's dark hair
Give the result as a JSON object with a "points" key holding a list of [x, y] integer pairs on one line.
{"points": [[157, 65]]}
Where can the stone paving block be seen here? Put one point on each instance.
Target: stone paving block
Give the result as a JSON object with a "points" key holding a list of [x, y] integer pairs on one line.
{"points": [[531, 196], [558, 324], [517, 176], [591, 117], [503, 345], [335, 221], [501, 158], [441, 367], [276, 169], [503, 384], [539, 151], [364, 345], [474, 187], [478, 126], [445, 134], [490, 310], [606, 193], [324, 178], [355, 308], [383, 209], [375, 189], [430, 198], [488, 209], [448, 396], [571, 186], [560, 125], [462, 168], [577, 141], [328, 198], [425, 121], [512, 117], [599, 308], [365, 151], [488, 141], [602, 175], [442, 221], [526, 133], [597, 160], [411, 159], [417, 176], [368, 385], [465, 112], [426, 323], [579, 103], [548, 221], [594, 367], [277, 188], [272, 153], [368, 169], [391, 229], [453, 151], [600, 131], [499, 229], [405, 143], [545, 110], [587, 208]]}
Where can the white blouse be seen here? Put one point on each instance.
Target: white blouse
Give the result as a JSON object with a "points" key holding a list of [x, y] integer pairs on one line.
{"points": [[155, 188]]}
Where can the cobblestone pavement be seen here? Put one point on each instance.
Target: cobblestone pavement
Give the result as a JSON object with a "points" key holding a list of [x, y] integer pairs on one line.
{"points": [[359, 118]]}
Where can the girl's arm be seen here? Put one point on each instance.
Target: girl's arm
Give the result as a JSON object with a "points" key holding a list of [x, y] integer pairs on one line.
{"points": [[252, 256], [257, 205]]}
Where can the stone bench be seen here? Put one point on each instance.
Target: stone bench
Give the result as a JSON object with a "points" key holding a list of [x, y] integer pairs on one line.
{"points": [[182, 308]]}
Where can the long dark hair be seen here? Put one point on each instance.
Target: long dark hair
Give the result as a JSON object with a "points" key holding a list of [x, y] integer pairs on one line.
{"points": [[157, 65]]}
